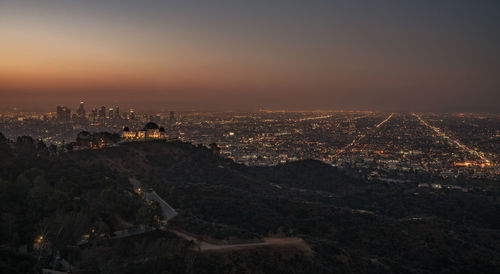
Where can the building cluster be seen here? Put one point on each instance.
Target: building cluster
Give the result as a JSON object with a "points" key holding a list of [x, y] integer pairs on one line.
{"points": [[63, 113], [100, 114], [63, 125], [150, 131]]}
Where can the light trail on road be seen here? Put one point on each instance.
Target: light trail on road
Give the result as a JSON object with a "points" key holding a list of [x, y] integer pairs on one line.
{"points": [[383, 122], [315, 118], [454, 141], [361, 136]]}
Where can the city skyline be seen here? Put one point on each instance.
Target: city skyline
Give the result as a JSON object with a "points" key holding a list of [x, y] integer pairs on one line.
{"points": [[391, 56]]}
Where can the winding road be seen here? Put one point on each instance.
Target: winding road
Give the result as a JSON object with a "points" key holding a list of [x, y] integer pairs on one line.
{"points": [[205, 246], [150, 195]]}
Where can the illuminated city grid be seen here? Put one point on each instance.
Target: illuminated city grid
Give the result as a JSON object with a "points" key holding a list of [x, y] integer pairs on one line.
{"points": [[395, 147]]}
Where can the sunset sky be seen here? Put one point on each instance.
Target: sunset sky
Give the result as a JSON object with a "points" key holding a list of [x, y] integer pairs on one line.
{"points": [[230, 55]]}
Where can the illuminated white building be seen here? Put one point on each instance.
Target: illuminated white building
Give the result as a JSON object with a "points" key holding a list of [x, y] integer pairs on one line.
{"points": [[150, 131]]}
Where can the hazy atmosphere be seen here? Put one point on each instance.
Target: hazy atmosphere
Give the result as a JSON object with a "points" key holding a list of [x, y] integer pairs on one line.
{"points": [[258, 136], [231, 55]]}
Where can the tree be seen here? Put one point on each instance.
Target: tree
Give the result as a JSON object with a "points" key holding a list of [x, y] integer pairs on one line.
{"points": [[43, 199], [42, 150], [3, 140], [26, 148], [83, 139]]}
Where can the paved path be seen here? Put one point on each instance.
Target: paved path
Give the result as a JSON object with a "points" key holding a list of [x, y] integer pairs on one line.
{"points": [[167, 210], [205, 246], [169, 213], [151, 195]]}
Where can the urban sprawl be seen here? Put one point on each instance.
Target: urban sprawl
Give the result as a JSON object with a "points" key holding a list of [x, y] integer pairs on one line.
{"points": [[433, 150]]}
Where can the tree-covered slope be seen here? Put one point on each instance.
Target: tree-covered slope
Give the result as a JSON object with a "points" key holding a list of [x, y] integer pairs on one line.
{"points": [[350, 225]]}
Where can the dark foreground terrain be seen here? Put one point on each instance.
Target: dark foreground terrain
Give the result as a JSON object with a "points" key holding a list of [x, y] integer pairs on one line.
{"points": [[50, 200]]}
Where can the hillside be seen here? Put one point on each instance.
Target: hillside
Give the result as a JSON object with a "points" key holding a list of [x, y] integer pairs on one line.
{"points": [[350, 225]]}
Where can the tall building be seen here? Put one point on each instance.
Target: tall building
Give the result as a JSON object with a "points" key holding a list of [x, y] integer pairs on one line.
{"points": [[117, 113], [102, 113], [172, 116], [63, 113], [80, 112], [94, 115], [132, 114], [111, 113]]}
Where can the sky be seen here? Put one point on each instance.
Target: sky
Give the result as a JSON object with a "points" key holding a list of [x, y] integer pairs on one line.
{"points": [[245, 55]]}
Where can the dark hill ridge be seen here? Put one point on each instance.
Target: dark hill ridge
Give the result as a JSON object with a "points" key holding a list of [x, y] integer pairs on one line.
{"points": [[351, 225]]}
